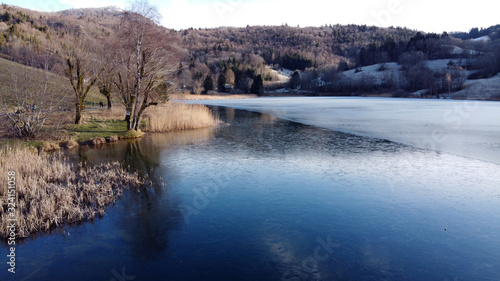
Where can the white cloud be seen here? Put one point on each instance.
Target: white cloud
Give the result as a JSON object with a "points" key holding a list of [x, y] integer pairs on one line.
{"points": [[180, 14]]}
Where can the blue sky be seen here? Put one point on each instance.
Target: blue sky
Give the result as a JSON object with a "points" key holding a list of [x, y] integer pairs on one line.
{"points": [[427, 15]]}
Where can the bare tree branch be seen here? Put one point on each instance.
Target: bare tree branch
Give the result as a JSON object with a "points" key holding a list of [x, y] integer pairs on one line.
{"points": [[146, 60]]}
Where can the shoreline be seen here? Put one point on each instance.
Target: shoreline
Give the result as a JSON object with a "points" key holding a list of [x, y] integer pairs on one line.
{"points": [[52, 192]]}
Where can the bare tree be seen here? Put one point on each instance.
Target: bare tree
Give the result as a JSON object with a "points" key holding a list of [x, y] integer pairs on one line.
{"points": [[126, 87], [31, 100], [230, 78], [199, 71], [108, 65], [105, 84], [448, 81], [145, 59], [82, 71]]}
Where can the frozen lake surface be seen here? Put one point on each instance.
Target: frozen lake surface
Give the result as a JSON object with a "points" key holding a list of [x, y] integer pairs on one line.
{"points": [[466, 128]]}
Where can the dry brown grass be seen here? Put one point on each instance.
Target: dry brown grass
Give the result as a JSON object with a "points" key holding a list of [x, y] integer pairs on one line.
{"points": [[179, 116], [68, 144], [117, 112], [209, 97], [51, 191], [172, 116], [49, 146]]}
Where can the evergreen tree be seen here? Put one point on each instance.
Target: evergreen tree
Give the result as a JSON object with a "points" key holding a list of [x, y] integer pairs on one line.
{"points": [[208, 84], [257, 86], [295, 81], [221, 83], [179, 69]]}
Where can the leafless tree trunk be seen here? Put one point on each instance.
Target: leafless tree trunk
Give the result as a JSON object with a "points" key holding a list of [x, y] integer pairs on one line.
{"points": [[82, 72], [146, 59], [108, 65], [125, 86], [449, 82]]}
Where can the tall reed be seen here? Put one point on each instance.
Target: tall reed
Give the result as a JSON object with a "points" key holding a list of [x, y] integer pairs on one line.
{"points": [[175, 116], [50, 191]]}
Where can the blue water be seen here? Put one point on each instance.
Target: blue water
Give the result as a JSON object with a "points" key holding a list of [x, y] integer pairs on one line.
{"points": [[263, 198]]}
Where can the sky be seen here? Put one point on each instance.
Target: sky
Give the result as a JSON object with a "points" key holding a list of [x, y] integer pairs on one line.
{"points": [[424, 15]]}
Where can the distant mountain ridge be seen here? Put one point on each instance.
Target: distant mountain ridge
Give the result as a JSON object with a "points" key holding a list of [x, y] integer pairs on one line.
{"points": [[237, 56], [89, 12]]}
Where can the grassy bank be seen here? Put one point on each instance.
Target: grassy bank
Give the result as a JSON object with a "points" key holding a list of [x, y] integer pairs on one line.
{"points": [[51, 192], [99, 123], [102, 123], [97, 129], [172, 116]]}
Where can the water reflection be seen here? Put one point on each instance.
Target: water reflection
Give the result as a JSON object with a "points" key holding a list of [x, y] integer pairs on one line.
{"points": [[151, 213], [176, 139]]}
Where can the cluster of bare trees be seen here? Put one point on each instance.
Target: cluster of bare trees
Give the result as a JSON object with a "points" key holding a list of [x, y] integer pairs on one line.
{"points": [[134, 63], [143, 61]]}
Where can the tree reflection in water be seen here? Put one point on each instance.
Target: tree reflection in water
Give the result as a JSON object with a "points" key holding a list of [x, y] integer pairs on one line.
{"points": [[152, 213]]}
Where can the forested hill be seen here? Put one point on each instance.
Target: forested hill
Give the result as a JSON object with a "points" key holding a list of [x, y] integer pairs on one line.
{"points": [[493, 32], [243, 51], [289, 47], [292, 47], [234, 58], [27, 35], [237, 56]]}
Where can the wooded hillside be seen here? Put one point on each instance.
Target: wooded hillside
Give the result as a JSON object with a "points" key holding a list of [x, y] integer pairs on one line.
{"points": [[232, 59]]}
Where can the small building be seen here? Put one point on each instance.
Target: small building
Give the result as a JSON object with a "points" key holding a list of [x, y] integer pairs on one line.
{"points": [[228, 87]]}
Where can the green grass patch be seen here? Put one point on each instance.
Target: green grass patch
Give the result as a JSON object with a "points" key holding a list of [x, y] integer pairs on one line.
{"points": [[97, 129], [132, 134], [4, 143]]}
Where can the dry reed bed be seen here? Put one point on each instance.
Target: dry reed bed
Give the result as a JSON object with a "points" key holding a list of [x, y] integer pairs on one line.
{"points": [[179, 116], [51, 191]]}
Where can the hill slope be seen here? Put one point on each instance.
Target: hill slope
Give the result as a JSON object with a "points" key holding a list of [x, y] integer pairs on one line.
{"points": [[61, 85]]}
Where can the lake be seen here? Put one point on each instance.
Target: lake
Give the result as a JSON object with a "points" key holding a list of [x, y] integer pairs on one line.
{"points": [[267, 198]]}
